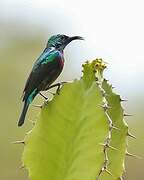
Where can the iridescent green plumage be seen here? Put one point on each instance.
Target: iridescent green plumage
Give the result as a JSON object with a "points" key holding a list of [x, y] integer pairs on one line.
{"points": [[45, 71]]}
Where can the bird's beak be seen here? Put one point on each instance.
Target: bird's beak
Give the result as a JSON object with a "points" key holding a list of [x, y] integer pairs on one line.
{"points": [[75, 38], [71, 39]]}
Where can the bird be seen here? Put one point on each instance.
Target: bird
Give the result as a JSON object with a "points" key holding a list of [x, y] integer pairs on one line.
{"points": [[45, 70]]}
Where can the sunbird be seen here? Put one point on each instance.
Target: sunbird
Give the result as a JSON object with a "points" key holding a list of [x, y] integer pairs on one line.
{"points": [[45, 70]]}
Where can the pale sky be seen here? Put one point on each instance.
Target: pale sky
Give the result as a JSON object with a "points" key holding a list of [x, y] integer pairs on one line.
{"points": [[113, 30]]}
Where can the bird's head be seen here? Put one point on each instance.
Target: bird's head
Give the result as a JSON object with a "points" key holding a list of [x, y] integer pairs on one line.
{"points": [[61, 41]]}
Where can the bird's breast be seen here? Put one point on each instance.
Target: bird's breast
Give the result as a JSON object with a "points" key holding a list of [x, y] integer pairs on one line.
{"points": [[61, 62], [61, 59]]}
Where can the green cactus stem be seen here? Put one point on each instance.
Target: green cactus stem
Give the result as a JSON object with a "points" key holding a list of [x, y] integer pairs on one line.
{"points": [[81, 133]]}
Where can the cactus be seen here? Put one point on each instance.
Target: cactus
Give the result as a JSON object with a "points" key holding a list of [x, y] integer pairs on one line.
{"points": [[81, 133]]}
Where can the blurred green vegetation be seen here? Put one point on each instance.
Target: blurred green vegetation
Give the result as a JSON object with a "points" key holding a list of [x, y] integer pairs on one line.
{"points": [[16, 58], [15, 62]]}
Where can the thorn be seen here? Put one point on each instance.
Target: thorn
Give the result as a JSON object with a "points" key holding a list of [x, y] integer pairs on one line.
{"points": [[105, 107], [127, 114], [108, 146], [98, 83], [106, 63], [104, 145], [108, 172], [121, 178], [123, 100], [103, 169], [130, 135], [109, 107], [101, 144], [27, 133], [106, 80], [100, 172], [114, 127], [38, 106], [22, 167], [18, 142], [133, 155], [113, 148]]}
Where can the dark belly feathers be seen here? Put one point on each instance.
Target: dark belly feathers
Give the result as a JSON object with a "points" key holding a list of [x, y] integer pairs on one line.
{"points": [[43, 76]]}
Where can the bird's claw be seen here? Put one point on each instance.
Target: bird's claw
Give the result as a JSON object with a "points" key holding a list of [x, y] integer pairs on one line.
{"points": [[58, 91], [43, 96], [59, 87]]}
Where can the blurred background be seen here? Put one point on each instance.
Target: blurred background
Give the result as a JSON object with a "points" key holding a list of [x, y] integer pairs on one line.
{"points": [[113, 30]]}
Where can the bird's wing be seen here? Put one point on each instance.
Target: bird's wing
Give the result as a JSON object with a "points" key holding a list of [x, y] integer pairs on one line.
{"points": [[44, 67]]}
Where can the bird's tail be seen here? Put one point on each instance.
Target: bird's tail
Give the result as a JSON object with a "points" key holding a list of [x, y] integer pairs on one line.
{"points": [[23, 114]]}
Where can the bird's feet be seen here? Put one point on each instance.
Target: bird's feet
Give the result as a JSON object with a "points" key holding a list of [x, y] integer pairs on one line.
{"points": [[43, 96], [58, 85]]}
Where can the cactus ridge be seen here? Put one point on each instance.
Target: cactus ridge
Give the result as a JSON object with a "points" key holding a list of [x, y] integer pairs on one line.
{"points": [[87, 137]]}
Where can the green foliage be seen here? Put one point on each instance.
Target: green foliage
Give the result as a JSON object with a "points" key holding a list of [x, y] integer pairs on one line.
{"points": [[80, 134]]}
